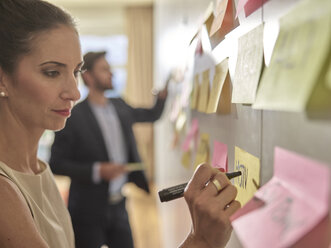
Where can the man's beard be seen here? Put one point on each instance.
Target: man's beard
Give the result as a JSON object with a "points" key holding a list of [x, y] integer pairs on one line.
{"points": [[102, 86]]}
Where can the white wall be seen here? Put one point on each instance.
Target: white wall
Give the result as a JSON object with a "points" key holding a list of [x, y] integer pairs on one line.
{"points": [[255, 131]]}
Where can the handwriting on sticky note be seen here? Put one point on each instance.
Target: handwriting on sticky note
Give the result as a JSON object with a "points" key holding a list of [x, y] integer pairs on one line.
{"points": [[249, 65], [249, 166], [241, 181]]}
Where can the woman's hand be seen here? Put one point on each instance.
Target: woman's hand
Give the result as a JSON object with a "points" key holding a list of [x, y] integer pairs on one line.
{"points": [[210, 209]]}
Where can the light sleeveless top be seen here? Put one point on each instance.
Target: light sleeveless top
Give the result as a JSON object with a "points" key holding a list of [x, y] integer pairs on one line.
{"points": [[48, 210]]}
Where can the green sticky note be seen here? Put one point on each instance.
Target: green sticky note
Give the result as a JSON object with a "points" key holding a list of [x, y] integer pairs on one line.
{"points": [[299, 56], [248, 67]]}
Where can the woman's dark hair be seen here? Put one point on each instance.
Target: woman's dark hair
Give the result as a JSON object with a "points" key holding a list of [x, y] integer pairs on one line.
{"points": [[20, 22]]}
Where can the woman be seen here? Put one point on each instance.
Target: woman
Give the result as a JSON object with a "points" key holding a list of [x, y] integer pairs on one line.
{"points": [[40, 59]]}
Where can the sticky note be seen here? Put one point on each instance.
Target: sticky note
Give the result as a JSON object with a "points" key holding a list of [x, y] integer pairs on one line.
{"points": [[180, 122], [191, 135], [195, 92], [248, 67], [249, 6], [186, 159], [292, 80], [220, 99], [208, 16], [220, 156], [328, 77], [134, 166], [247, 183], [202, 155], [284, 211], [204, 92]]}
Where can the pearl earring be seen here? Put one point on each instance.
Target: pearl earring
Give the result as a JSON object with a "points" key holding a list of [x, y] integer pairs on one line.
{"points": [[2, 94]]}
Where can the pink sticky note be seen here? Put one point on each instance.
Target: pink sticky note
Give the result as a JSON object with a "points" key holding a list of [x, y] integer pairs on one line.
{"points": [[240, 6], [192, 135], [220, 156], [289, 207], [252, 5]]}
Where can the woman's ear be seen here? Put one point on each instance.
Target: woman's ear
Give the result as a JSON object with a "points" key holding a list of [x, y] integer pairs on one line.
{"points": [[3, 87], [88, 79]]}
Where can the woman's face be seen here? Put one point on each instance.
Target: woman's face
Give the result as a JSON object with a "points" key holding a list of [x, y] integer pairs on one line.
{"points": [[43, 89]]}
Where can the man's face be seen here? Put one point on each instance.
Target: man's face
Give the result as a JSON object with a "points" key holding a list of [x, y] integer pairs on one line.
{"points": [[102, 75]]}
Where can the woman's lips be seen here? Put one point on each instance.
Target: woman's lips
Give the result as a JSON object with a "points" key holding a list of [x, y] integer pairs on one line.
{"points": [[63, 112]]}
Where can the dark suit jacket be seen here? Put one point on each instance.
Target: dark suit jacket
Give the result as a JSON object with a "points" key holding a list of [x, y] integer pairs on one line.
{"points": [[80, 144]]}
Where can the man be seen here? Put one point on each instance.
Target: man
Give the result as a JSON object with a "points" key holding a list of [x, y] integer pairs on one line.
{"points": [[92, 150]]}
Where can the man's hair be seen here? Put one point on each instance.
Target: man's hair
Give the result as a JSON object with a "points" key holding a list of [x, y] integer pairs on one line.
{"points": [[20, 22], [90, 59]]}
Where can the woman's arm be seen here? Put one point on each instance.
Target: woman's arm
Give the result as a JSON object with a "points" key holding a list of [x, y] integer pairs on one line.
{"points": [[17, 228]]}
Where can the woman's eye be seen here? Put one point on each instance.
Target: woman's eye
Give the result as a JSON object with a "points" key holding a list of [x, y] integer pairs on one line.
{"points": [[52, 74]]}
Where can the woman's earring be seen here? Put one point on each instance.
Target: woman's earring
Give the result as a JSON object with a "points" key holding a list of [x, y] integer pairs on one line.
{"points": [[2, 94]]}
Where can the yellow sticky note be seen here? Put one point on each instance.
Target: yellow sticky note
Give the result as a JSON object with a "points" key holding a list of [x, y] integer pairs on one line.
{"points": [[300, 53], [186, 159], [202, 155], [180, 122], [209, 16], [248, 67], [220, 94], [195, 92], [204, 92], [134, 166], [328, 77], [224, 104], [247, 183]]}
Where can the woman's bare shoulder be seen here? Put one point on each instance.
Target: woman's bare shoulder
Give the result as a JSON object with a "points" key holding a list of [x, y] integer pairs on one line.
{"points": [[17, 228]]}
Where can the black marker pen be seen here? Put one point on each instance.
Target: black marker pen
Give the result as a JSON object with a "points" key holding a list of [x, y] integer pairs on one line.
{"points": [[177, 191]]}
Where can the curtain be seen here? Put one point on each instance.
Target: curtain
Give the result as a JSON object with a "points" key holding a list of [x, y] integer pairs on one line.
{"points": [[140, 76]]}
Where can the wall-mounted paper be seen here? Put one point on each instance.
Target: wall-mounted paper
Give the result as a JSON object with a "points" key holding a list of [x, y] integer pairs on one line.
{"points": [[223, 21], [191, 136], [220, 156], [249, 180], [202, 155], [186, 159], [208, 15], [195, 92], [328, 77], [320, 99], [249, 6], [220, 92], [300, 52], [249, 65], [134, 167], [204, 92], [180, 122], [209, 21], [288, 207]]}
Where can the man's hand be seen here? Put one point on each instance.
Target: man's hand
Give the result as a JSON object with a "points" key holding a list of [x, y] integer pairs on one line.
{"points": [[109, 171]]}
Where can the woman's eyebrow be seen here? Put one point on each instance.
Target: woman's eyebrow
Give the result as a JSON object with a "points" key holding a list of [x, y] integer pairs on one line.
{"points": [[53, 62]]}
